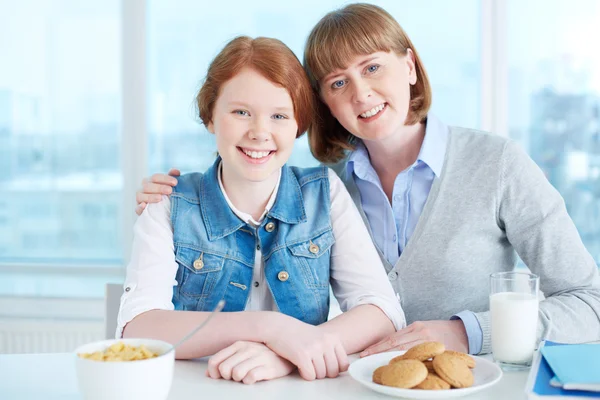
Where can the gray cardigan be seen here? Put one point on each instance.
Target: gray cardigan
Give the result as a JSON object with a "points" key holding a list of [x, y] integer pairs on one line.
{"points": [[490, 201]]}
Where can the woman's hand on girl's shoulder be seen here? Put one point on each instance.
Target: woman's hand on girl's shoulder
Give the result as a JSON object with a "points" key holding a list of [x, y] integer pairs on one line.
{"points": [[154, 187], [248, 362]]}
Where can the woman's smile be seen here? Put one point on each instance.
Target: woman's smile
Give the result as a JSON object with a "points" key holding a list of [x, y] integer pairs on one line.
{"points": [[373, 114]]}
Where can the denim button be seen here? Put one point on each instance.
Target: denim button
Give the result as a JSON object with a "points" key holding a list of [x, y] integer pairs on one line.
{"points": [[283, 276], [270, 227], [393, 275], [313, 248], [199, 264]]}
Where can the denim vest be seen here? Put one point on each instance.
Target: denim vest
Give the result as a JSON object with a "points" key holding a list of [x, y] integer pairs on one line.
{"points": [[215, 249]]}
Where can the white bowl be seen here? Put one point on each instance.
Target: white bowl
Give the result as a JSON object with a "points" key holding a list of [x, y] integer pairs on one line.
{"points": [[148, 379]]}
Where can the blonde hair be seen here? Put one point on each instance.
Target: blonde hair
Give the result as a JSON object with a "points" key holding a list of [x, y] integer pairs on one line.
{"points": [[340, 36], [270, 58]]}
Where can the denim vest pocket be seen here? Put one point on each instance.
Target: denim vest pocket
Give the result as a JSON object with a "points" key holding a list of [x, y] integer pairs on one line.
{"points": [[198, 280], [313, 257]]}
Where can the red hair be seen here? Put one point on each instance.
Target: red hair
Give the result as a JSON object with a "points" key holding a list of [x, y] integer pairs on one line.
{"points": [[270, 58]]}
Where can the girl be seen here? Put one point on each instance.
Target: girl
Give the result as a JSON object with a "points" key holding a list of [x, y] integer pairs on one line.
{"points": [[260, 235], [445, 206]]}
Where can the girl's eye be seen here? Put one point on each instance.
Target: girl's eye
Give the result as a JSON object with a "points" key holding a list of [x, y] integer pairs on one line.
{"points": [[241, 112], [372, 68], [338, 84], [279, 116]]}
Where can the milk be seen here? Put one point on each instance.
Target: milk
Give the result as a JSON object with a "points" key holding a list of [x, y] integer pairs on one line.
{"points": [[514, 318]]}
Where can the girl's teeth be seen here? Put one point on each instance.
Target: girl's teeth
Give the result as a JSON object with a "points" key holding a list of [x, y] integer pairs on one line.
{"points": [[256, 154], [372, 111]]}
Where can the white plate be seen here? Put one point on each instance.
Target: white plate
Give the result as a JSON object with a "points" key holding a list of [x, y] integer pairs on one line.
{"points": [[486, 374]]}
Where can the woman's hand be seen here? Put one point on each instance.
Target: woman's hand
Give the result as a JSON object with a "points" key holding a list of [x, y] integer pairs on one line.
{"points": [[316, 353], [154, 188], [451, 333], [248, 362]]}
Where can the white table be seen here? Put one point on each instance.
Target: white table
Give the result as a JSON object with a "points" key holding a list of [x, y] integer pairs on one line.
{"points": [[52, 377]]}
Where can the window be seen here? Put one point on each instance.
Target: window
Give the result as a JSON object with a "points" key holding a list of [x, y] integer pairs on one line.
{"points": [[554, 101], [59, 143]]}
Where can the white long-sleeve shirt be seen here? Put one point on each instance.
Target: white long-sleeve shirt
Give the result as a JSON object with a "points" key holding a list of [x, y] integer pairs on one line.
{"points": [[357, 275]]}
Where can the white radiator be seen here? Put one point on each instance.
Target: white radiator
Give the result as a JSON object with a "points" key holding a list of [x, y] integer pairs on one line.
{"points": [[40, 336]]}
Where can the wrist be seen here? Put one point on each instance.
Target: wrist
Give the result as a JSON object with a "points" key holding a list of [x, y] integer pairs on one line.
{"points": [[327, 329], [270, 325], [459, 327], [461, 334], [470, 331]]}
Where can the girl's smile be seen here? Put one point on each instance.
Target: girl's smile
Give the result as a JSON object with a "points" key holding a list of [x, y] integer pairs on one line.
{"points": [[256, 156]]}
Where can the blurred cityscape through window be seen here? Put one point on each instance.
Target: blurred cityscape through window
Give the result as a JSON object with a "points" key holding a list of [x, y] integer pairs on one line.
{"points": [[554, 100]]}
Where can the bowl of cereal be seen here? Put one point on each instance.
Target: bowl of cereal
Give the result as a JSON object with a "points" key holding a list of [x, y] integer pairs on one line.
{"points": [[128, 369]]}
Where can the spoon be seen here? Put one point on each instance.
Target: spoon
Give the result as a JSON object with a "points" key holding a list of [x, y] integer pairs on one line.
{"points": [[218, 308]]}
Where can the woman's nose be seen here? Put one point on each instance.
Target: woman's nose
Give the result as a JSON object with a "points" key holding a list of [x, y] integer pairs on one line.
{"points": [[362, 91]]}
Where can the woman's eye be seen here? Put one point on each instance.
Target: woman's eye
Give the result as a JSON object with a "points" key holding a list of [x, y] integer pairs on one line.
{"points": [[279, 116], [241, 112], [338, 84], [372, 68]]}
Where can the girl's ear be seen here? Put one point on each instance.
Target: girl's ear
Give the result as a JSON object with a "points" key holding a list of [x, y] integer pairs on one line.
{"points": [[412, 70], [210, 127]]}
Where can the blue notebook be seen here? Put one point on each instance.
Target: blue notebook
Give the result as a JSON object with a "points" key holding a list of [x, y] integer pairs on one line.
{"points": [[538, 384], [576, 366]]}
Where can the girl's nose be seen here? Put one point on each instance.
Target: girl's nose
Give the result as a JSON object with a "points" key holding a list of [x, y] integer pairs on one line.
{"points": [[259, 131]]}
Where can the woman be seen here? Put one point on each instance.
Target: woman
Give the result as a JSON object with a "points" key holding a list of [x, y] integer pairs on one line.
{"points": [[267, 238], [445, 206]]}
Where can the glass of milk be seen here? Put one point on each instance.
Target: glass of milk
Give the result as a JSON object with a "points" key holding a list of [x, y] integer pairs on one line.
{"points": [[514, 317]]}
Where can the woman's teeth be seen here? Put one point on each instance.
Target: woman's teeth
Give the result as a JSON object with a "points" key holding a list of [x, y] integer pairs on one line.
{"points": [[373, 111], [256, 154]]}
